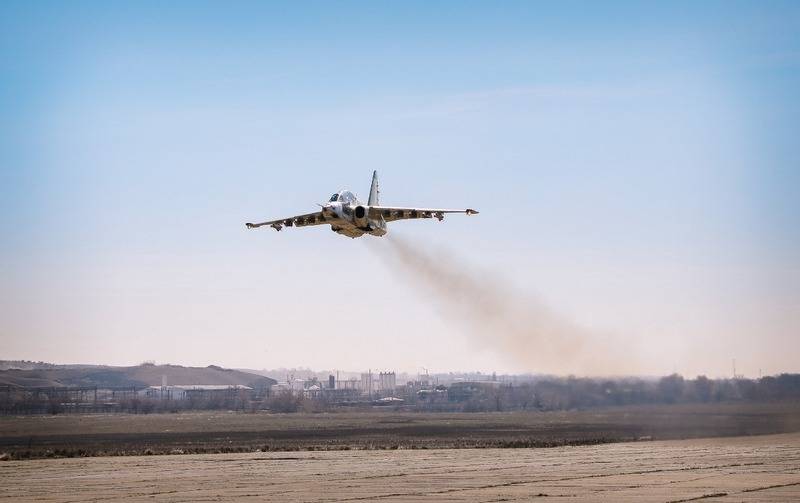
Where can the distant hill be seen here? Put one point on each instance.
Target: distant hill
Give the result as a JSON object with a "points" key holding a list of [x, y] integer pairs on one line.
{"points": [[140, 375], [31, 365]]}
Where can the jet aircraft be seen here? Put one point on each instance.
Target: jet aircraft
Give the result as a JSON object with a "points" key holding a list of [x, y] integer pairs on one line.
{"points": [[349, 217]]}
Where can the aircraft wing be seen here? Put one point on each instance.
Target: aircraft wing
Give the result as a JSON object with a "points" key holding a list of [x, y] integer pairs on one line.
{"points": [[315, 218], [392, 213]]}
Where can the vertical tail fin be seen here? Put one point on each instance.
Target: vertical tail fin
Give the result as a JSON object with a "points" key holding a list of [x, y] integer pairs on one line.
{"points": [[374, 191]]}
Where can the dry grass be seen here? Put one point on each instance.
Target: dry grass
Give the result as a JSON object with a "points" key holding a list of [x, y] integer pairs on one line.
{"points": [[749, 469]]}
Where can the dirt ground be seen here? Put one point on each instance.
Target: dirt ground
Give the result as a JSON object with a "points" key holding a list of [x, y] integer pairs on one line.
{"points": [[222, 432], [758, 468]]}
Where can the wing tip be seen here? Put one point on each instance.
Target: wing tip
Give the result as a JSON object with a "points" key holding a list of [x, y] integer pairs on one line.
{"points": [[470, 211]]}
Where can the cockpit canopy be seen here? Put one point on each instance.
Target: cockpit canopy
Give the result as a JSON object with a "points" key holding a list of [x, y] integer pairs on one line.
{"points": [[344, 196]]}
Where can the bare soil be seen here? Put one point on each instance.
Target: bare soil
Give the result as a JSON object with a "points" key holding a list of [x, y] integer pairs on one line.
{"points": [[214, 432]]}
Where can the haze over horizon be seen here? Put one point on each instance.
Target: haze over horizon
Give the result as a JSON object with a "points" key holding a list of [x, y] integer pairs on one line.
{"points": [[636, 169]]}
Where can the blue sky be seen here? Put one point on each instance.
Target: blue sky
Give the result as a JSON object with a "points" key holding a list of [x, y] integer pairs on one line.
{"points": [[636, 166]]}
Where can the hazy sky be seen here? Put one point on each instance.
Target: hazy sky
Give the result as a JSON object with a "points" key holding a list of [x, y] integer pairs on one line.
{"points": [[636, 165]]}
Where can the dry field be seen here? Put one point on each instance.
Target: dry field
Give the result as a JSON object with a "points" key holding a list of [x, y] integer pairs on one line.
{"points": [[760, 468], [220, 432]]}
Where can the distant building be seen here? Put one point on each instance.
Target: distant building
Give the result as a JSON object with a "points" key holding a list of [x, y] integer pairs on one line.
{"points": [[432, 396], [386, 381], [307, 387], [366, 383], [348, 384], [385, 384], [184, 392]]}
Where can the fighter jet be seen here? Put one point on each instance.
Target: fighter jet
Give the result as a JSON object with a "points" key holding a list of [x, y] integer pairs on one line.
{"points": [[349, 217]]}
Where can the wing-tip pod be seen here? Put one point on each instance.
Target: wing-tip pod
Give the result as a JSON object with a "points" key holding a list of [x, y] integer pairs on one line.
{"points": [[470, 211], [249, 225]]}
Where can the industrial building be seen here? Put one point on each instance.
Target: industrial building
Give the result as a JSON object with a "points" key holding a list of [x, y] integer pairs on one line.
{"points": [[370, 385], [185, 392]]}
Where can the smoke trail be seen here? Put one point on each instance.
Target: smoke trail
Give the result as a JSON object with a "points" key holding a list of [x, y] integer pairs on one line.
{"points": [[498, 318]]}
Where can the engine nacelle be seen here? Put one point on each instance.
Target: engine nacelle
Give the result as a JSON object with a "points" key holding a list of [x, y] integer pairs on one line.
{"points": [[360, 217]]}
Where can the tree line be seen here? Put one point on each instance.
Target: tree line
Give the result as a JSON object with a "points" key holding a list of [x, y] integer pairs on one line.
{"points": [[542, 394], [577, 393]]}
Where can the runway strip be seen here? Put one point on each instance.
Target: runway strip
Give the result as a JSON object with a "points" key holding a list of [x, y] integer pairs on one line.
{"points": [[758, 468]]}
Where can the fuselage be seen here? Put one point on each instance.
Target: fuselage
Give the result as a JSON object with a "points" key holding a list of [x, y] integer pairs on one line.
{"points": [[349, 217]]}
